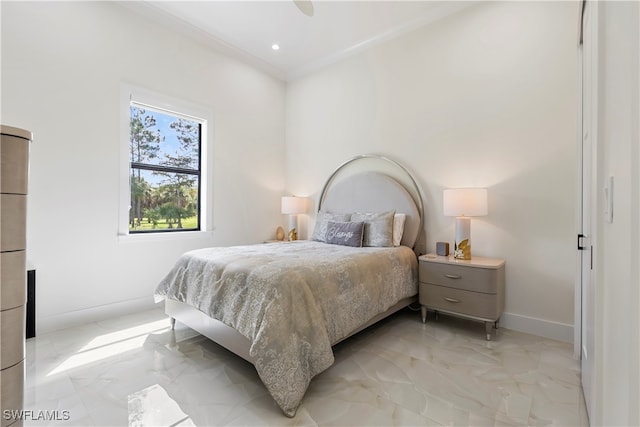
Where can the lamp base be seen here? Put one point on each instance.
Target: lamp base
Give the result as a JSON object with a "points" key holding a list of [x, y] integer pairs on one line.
{"points": [[293, 227], [463, 238]]}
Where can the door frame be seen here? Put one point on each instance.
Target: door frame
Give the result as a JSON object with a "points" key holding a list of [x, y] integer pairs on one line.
{"points": [[592, 207], [577, 312]]}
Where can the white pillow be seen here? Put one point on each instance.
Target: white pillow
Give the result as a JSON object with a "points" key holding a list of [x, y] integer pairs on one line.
{"points": [[398, 228]]}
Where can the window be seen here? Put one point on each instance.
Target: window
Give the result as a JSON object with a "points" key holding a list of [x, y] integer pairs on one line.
{"points": [[165, 169]]}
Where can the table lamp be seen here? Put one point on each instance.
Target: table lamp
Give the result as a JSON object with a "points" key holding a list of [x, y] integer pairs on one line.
{"points": [[292, 206], [464, 203]]}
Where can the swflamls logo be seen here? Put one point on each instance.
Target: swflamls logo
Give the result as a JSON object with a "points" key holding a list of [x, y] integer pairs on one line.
{"points": [[27, 414]]}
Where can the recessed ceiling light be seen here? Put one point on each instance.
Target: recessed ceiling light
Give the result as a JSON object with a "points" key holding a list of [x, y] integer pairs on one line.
{"points": [[275, 46]]}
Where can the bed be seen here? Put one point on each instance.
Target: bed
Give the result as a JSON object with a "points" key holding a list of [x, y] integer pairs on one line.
{"points": [[282, 306]]}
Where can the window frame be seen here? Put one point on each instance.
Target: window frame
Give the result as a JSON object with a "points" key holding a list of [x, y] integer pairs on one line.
{"points": [[132, 95], [171, 169]]}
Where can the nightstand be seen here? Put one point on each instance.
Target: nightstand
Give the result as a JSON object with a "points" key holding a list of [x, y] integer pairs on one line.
{"points": [[472, 289]]}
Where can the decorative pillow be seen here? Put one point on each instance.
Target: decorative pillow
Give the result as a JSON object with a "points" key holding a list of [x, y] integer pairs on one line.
{"points": [[320, 230], [398, 228], [345, 233], [378, 228]]}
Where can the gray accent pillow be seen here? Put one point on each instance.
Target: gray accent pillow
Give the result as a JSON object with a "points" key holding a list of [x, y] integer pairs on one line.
{"points": [[378, 228], [345, 233], [320, 230]]}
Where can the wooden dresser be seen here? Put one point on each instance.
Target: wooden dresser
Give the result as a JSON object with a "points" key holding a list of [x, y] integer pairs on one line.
{"points": [[14, 157]]}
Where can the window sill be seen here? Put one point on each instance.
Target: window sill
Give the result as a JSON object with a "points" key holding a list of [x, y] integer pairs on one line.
{"points": [[161, 237]]}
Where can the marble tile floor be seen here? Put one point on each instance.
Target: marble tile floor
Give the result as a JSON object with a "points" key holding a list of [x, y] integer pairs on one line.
{"points": [[135, 371]]}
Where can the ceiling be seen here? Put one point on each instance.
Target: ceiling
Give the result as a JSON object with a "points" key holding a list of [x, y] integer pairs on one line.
{"points": [[247, 29]]}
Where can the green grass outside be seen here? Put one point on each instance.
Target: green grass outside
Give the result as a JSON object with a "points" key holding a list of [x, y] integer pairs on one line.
{"points": [[145, 225]]}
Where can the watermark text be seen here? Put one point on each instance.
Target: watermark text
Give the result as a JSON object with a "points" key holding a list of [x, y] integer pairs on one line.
{"points": [[33, 415]]}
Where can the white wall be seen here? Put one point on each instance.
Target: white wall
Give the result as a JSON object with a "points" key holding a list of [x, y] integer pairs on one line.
{"points": [[483, 98], [63, 64], [617, 321], [486, 97]]}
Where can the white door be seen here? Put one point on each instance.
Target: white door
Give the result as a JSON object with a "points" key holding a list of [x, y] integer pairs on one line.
{"points": [[588, 55]]}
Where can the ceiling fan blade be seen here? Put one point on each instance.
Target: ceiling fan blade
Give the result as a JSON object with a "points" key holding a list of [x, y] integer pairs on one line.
{"points": [[305, 6]]}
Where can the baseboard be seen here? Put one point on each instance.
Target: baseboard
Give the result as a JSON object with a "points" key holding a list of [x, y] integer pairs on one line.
{"points": [[55, 322], [543, 328]]}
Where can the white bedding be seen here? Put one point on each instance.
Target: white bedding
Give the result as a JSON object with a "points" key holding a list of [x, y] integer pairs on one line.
{"points": [[292, 300]]}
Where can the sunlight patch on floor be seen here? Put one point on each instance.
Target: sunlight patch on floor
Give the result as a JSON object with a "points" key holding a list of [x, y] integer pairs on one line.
{"points": [[152, 406], [111, 344]]}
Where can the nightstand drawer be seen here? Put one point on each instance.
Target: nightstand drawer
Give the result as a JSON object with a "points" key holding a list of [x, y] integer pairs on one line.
{"points": [[462, 277], [475, 304]]}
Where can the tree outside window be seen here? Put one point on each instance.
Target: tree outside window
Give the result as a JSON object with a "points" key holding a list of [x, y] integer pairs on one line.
{"points": [[164, 170]]}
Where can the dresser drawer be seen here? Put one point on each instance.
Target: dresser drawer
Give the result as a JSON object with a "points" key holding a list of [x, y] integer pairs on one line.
{"points": [[12, 392], [476, 304], [13, 222], [462, 277], [13, 279], [12, 336]]}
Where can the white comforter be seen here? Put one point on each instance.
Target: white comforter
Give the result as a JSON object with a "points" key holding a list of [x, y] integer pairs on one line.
{"points": [[293, 301]]}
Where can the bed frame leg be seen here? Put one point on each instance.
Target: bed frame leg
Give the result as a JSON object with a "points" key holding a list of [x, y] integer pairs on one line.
{"points": [[423, 311], [173, 323]]}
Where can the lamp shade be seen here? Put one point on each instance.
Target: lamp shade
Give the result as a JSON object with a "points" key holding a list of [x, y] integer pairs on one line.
{"points": [[465, 202], [293, 205]]}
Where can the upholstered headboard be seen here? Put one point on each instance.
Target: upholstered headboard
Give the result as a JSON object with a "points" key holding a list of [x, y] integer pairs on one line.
{"points": [[375, 191]]}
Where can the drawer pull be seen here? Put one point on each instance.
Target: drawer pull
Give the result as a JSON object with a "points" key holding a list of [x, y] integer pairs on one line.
{"points": [[452, 276], [451, 300]]}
